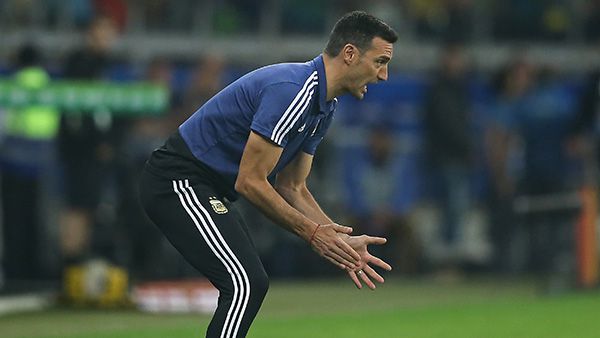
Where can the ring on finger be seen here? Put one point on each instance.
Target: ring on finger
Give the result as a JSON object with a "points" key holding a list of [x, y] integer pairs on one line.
{"points": [[359, 272]]}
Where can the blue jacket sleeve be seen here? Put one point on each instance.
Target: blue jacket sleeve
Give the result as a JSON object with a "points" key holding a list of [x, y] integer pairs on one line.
{"points": [[312, 142], [281, 105]]}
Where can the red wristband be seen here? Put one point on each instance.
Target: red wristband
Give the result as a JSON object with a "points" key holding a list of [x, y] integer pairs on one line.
{"points": [[313, 234]]}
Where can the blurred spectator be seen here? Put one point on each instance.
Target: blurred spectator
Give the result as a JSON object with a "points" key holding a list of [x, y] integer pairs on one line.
{"points": [[448, 130], [26, 153], [541, 120], [544, 127], [512, 85], [86, 145], [206, 80], [141, 255], [375, 198]]}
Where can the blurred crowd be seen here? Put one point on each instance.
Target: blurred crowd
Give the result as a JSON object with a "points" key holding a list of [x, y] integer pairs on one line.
{"points": [[499, 20], [448, 164]]}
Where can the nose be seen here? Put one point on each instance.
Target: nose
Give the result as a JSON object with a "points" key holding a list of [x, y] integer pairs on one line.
{"points": [[383, 73]]}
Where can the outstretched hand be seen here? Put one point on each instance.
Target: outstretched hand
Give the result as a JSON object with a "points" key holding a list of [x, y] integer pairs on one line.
{"points": [[327, 242], [364, 271]]}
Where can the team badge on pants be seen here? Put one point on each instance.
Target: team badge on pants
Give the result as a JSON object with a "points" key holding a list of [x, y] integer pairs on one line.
{"points": [[218, 206]]}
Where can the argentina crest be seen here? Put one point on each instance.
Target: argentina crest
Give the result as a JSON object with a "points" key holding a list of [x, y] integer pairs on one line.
{"points": [[217, 205]]}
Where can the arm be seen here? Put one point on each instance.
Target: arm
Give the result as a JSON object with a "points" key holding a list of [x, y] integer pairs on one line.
{"points": [[258, 160], [291, 185]]}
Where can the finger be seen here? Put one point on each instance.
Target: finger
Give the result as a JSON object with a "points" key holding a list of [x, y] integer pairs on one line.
{"points": [[348, 250], [345, 255], [342, 229], [373, 274], [354, 278], [379, 262], [341, 260], [376, 240], [334, 262], [335, 259], [367, 281]]}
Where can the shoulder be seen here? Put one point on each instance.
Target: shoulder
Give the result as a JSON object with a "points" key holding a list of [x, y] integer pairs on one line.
{"points": [[282, 74]]}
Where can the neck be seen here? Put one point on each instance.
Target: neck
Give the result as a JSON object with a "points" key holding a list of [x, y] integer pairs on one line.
{"points": [[333, 76]]}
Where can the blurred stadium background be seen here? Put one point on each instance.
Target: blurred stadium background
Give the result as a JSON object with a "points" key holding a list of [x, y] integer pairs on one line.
{"points": [[477, 159]]}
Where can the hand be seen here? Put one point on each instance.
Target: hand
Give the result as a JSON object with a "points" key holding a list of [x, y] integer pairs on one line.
{"points": [[327, 243], [364, 270]]}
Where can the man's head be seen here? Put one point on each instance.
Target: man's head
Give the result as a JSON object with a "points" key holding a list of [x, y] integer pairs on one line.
{"points": [[364, 45], [101, 34], [453, 61]]}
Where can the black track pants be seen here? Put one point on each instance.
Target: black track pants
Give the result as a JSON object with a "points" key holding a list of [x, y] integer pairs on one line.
{"points": [[212, 236]]}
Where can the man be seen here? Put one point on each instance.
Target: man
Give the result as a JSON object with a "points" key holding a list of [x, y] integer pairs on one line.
{"points": [[26, 155], [86, 145], [447, 126], [266, 125]]}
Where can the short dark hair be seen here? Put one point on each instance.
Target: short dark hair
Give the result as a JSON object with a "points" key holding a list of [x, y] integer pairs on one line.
{"points": [[359, 29]]}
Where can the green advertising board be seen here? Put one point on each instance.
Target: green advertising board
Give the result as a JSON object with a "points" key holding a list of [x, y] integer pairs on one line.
{"points": [[77, 97]]}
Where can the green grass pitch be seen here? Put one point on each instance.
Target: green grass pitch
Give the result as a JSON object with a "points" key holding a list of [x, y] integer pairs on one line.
{"points": [[400, 308]]}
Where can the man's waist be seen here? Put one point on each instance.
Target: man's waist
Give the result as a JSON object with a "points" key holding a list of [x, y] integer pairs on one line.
{"points": [[174, 160]]}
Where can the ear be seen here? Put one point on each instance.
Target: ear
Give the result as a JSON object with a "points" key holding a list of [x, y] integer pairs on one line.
{"points": [[350, 53]]}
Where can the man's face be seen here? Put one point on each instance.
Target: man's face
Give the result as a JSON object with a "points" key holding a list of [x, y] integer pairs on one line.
{"points": [[370, 66], [102, 34]]}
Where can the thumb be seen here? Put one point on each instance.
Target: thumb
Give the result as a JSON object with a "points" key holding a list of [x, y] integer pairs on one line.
{"points": [[342, 229], [376, 240]]}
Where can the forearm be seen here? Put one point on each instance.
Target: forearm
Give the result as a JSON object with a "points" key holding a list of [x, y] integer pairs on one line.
{"points": [[273, 205], [302, 200], [259, 159]]}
